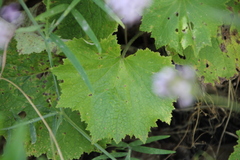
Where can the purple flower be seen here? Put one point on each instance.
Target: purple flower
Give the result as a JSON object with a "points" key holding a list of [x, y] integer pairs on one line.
{"points": [[10, 19], [180, 83], [129, 10], [12, 14]]}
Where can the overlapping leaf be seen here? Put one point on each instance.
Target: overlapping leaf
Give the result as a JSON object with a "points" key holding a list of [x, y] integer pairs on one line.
{"points": [[211, 63], [122, 102], [234, 7], [184, 23], [236, 153], [31, 73], [29, 42], [229, 42]]}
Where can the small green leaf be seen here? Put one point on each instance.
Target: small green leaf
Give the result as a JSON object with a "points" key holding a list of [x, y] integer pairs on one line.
{"points": [[51, 12], [28, 29], [148, 150], [33, 133], [30, 42]]}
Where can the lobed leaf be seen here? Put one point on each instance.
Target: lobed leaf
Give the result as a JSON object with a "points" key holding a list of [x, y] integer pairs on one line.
{"points": [[211, 63], [122, 102], [184, 23]]}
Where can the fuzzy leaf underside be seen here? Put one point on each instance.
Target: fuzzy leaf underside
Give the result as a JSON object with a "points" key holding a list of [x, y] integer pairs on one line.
{"points": [[185, 23], [122, 102]]}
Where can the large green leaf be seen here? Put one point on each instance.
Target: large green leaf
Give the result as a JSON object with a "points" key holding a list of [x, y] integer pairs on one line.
{"points": [[122, 102], [184, 23], [97, 19], [31, 74]]}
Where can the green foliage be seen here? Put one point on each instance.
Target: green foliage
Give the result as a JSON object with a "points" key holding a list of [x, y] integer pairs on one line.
{"points": [[31, 73], [235, 155], [112, 96], [122, 102], [76, 63], [94, 16], [195, 34], [28, 43], [180, 24], [136, 146], [211, 62]]}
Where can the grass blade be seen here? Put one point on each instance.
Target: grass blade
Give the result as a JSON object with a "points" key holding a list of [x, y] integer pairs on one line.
{"points": [[116, 154], [64, 14], [86, 28], [148, 150], [57, 121], [72, 59], [109, 11], [149, 140], [51, 12], [29, 29]]}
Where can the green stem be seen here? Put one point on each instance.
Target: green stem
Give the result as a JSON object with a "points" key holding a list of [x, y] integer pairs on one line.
{"points": [[47, 19], [130, 43]]}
